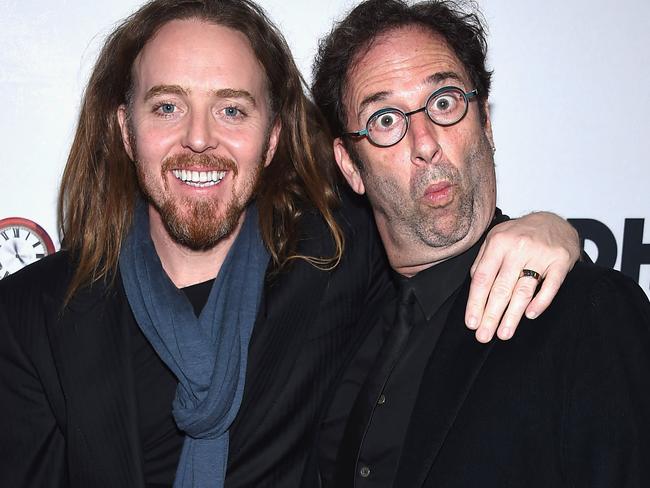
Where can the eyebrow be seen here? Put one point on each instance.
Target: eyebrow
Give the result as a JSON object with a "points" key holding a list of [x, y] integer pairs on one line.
{"points": [[440, 77], [370, 99], [433, 79], [154, 91], [233, 93], [179, 90]]}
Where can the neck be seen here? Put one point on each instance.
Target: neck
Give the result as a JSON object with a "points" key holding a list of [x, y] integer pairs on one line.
{"points": [[183, 265], [409, 255], [409, 263]]}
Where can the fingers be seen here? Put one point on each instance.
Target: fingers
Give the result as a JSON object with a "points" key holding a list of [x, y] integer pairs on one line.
{"points": [[554, 278], [483, 272], [521, 297], [498, 297], [504, 290], [495, 274]]}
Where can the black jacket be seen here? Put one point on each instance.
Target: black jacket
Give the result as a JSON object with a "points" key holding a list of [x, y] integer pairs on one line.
{"points": [[67, 402], [565, 403]]}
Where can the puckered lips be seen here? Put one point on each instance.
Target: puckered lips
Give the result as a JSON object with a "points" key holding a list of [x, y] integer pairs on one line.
{"points": [[439, 194]]}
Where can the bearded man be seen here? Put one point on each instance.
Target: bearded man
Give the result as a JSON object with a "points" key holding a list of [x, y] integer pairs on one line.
{"points": [[204, 300]]}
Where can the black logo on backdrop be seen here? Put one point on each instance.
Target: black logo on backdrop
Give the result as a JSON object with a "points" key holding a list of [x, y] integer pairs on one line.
{"points": [[634, 254]]}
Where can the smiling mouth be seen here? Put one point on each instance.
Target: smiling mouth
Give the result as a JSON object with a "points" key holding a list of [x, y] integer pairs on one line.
{"points": [[199, 179]]}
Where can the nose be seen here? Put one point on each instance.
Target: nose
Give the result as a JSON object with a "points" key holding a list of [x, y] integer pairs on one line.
{"points": [[200, 132], [423, 136]]}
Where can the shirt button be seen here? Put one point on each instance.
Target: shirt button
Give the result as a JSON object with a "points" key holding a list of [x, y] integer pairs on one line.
{"points": [[381, 400], [364, 471]]}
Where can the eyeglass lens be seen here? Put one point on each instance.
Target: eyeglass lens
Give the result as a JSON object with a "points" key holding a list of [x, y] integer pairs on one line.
{"points": [[444, 107]]}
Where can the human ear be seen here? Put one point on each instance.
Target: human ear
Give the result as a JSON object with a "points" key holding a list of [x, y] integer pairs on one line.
{"points": [[274, 138], [487, 127], [348, 167], [122, 119]]}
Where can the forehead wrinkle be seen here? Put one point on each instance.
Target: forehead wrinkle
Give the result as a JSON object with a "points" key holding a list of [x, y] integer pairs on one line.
{"points": [[433, 79], [396, 68], [365, 76]]}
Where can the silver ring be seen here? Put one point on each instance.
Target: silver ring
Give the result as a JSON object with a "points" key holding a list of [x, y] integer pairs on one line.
{"points": [[530, 273]]}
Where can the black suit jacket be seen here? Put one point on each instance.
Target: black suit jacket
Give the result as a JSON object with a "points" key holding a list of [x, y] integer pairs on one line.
{"points": [[566, 402], [68, 412]]}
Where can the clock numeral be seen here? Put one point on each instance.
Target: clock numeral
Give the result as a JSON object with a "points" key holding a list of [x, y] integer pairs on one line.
{"points": [[16, 232], [4, 234], [27, 236], [39, 256], [39, 243], [0, 265]]}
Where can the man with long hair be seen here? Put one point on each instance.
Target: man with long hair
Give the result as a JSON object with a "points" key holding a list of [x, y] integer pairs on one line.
{"points": [[203, 301]]}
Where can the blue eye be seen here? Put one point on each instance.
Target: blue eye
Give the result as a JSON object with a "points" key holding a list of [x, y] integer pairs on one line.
{"points": [[167, 108], [231, 111]]}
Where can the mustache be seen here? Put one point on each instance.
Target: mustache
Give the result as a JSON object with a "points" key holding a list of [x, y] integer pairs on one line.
{"points": [[207, 162]]}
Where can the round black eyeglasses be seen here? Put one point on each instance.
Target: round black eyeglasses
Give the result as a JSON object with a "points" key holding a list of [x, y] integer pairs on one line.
{"points": [[445, 106]]}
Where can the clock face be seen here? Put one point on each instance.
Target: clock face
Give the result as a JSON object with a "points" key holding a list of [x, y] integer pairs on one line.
{"points": [[21, 243]]}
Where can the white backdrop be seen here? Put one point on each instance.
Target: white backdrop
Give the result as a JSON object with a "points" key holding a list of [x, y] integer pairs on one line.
{"points": [[570, 106]]}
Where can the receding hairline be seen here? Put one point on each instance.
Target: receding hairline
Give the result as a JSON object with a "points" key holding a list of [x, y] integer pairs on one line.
{"points": [[224, 93], [363, 49]]}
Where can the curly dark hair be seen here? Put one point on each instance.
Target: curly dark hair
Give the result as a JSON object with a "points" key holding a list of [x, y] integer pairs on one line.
{"points": [[460, 24]]}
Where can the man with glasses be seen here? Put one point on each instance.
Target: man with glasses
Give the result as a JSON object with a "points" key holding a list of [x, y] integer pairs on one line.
{"points": [[211, 281], [386, 127], [421, 404]]}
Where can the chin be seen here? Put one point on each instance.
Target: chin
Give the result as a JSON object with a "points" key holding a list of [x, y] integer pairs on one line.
{"points": [[202, 225]]}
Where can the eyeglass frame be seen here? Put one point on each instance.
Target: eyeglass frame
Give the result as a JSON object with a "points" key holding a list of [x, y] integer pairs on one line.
{"points": [[468, 96]]}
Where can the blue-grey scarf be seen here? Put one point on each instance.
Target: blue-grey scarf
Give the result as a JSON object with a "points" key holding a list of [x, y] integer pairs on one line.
{"points": [[207, 354]]}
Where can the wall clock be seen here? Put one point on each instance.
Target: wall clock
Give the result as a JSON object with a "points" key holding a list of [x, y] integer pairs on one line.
{"points": [[21, 243]]}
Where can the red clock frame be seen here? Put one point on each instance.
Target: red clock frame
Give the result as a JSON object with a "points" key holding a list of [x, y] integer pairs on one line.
{"points": [[33, 226]]}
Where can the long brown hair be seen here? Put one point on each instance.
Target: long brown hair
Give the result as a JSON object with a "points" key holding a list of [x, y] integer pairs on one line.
{"points": [[99, 185]]}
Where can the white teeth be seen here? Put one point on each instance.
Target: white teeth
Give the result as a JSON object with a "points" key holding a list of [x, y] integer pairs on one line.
{"points": [[199, 178]]}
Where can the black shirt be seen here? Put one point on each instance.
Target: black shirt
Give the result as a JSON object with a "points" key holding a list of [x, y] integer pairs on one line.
{"points": [[155, 387], [380, 452]]}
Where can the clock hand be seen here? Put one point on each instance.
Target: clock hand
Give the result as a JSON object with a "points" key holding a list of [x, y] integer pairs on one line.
{"points": [[20, 258], [14, 247]]}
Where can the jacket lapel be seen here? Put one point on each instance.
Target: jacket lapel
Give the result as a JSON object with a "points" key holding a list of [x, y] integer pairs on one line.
{"points": [[290, 302], [90, 343], [448, 378]]}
